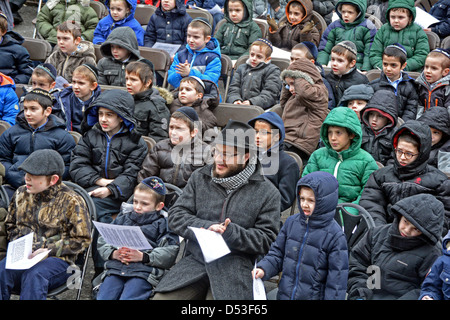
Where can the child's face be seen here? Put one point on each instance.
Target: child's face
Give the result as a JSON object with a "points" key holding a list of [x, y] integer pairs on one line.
{"points": [[340, 65], [144, 202], [119, 53], [357, 105], [290, 83], [187, 94], [168, 5], [307, 200], [376, 120], [297, 54], [406, 152], [41, 82], [433, 70], [257, 55], [436, 136], [407, 229], [110, 122], [35, 115], [339, 138], [119, 9], [392, 67], [295, 14], [265, 138], [399, 19], [179, 132], [236, 11], [82, 87], [196, 39], [37, 184], [66, 42], [349, 13], [134, 84]]}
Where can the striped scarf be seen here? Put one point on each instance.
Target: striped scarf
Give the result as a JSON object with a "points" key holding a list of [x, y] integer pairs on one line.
{"points": [[234, 182]]}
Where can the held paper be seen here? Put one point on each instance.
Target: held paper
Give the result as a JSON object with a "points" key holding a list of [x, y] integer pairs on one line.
{"points": [[18, 252], [212, 244], [123, 236]]}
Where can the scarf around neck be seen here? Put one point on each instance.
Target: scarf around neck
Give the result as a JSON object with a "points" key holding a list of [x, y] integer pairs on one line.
{"points": [[234, 182]]}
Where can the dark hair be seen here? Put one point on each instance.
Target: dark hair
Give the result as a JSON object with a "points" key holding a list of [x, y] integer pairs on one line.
{"points": [[142, 69], [409, 137], [181, 116], [44, 102], [70, 26], [391, 51]]}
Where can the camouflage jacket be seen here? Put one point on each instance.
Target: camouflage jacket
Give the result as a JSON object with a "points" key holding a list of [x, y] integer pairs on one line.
{"points": [[58, 217]]}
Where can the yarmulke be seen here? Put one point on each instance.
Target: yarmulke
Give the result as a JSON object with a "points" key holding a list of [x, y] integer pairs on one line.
{"points": [[199, 81], [189, 112], [156, 184], [149, 63], [42, 93], [91, 68], [350, 46], [49, 68], [312, 48], [3, 16], [44, 162], [445, 52], [266, 42], [204, 21]]}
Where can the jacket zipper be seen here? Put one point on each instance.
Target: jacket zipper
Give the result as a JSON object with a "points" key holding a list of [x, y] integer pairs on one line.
{"points": [[297, 268]]}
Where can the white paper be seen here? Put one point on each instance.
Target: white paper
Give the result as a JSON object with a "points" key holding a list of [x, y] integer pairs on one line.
{"points": [[280, 53], [212, 244], [169, 47], [18, 252], [259, 292], [123, 236], [424, 19]]}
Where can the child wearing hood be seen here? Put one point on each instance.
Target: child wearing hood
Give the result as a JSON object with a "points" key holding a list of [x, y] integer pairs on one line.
{"points": [[121, 14], [391, 261], [311, 249], [279, 167], [356, 97], [296, 27]]}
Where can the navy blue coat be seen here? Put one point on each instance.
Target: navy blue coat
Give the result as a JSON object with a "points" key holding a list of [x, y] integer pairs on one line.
{"points": [[441, 11], [14, 58], [311, 252]]}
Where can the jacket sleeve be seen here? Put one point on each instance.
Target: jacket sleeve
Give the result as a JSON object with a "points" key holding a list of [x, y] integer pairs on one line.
{"points": [[337, 276], [90, 23], [369, 36], [150, 166], [288, 181], [66, 144], [432, 285], [327, 42], [271, 89], [150, 33], [421, 50], [10, 106], [44, 23], [312, 165], [23, 65], [374, 200], [174, 78], [411, 107], [212, 71], [12, 175], [102, 79], [369, 168], [165, 254], [99, 37], [376, 52], [234, 91]]}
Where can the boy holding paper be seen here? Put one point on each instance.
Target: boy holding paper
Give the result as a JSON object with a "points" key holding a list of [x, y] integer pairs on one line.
{"points": [[132, 274], [37, 207]]}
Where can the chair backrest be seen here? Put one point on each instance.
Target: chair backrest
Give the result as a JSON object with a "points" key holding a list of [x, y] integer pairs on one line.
{"points": [[321, 24], [425, 4], [99, 8], [98, 52], [414, 74], [225, 74], [445, 43], [282, 63], [377, 22], [76, 136], [433, 40], [227, 111], [39, 49], [264, 26], [201, 13], [150, 142], [160, 58], [4, 126], [219, 24], [172, 195], [299, 161], [373, 74], [143, 13]]}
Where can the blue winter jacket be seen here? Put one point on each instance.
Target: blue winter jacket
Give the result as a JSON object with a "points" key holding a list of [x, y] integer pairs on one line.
{"points": [[9, 102], [107, 24], [205, 63], [168, 27], [441, 11], [14, 58], [311, 252]]}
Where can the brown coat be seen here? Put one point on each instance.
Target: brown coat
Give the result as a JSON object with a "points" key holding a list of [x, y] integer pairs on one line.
{"points": [[304, 112]]}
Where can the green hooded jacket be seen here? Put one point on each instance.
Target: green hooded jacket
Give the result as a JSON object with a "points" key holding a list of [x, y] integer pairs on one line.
{"points": [[412, 37], [351, 167], [235, 38]]}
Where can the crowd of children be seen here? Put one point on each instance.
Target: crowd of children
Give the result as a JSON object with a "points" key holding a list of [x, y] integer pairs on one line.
{"points": [[383, 144]]}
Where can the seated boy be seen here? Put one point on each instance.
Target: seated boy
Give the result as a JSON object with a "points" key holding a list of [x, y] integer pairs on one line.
{"points": [[72, 51], [73, 100], [279, 167], [59, 219], [379, 120], [296, 27], [239, 31], [304, 100], [256, 82], [440, 10], [36, 128], [393, 78], [118, 50], [356, 97], [14, 58], [202, 96], [121, 14], [215, 7], [342, 155], [401, 28], [9, 103], [434, 82], [343, 70], [168, 24], [54, 13], [352, 25], [174, 159], [200, 58]]}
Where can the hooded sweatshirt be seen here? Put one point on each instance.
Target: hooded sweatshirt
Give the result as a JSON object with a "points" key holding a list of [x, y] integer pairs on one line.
{"points": [[107, 24], [311, 252], [235, 38], [282, 170]]}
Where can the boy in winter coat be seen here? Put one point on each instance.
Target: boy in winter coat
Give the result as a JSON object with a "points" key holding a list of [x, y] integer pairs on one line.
{"points": [[379, 119], [256, 82], [356, 97], [118, 50], [342, 155], [311, 249], [393, 78], [353, 26], [14, 58], [121, 14], [401, 28], [131, 274], [8, 100], [296, 27], [168, 24], [36, 128], [55, 12], [441, 11], [402, 251], [240, 31]]}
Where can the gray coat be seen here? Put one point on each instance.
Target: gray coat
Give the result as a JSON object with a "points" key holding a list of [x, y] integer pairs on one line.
{"points": [[254, 211]]}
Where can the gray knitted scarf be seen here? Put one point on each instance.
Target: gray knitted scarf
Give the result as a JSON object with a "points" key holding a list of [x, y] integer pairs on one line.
{"points": [[234, 182]]}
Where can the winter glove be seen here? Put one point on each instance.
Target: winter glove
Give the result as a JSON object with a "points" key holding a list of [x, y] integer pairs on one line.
{"points": [[272, 23]]}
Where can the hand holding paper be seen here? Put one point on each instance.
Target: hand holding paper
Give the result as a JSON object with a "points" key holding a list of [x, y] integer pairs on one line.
{"points": [[212, 244]]}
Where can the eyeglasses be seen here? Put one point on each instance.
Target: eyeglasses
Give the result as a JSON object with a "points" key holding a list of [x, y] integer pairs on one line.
{"points": [[408, 155], [263, 132], [225, 156]]}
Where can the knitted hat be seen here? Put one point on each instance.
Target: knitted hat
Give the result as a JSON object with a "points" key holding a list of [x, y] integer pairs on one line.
{"points": [[312, 48], [156, 184], [44, 162], [237, 134], [189, 112], [49, 68], [350, 46]]}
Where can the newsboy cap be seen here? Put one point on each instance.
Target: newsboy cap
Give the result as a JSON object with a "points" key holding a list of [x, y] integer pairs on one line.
{"points": [[44, 162], [237, 134]]}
